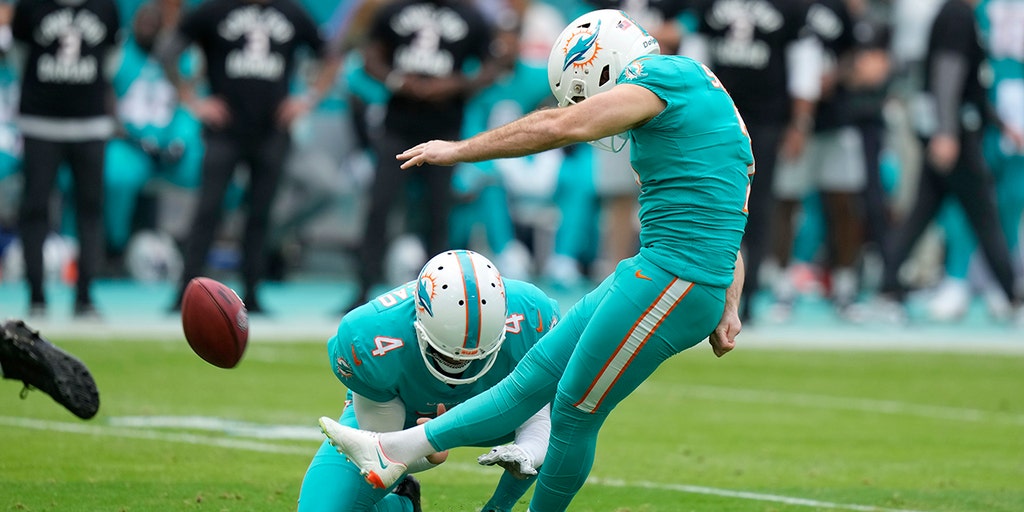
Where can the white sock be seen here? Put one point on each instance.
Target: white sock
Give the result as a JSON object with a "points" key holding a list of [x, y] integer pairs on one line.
{"points": [[406, 445]]}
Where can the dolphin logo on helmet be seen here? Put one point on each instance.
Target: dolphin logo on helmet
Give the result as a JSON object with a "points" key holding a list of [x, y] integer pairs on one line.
{"points": [[590, 54], [582, 47], [461, 310], [424, 294]]}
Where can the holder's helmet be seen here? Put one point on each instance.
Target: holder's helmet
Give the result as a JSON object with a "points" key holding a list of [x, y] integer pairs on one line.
{"points": [[460, 315], [590, 54]]}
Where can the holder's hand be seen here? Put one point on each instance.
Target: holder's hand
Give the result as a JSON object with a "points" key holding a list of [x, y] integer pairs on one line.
{"points": [[438, 457]]}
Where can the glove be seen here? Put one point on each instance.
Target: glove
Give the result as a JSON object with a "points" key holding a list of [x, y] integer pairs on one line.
{"points": [[512, 458]]}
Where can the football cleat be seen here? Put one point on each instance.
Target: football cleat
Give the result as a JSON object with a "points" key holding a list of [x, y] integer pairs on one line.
{"points": [[410, 488], [363, 449], [28, 357], [510, 457], [951, 300]]}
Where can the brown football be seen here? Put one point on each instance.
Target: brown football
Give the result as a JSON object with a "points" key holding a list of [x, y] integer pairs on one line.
{"points": [[215, 322]]}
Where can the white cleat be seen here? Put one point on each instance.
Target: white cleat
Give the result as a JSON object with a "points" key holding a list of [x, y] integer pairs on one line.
{"points": [[363, 449], [951, 300]]}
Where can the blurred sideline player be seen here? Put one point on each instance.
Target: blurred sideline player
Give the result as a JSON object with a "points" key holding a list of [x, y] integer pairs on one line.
{"points": [[954, 115], [832, 165], [419, 349], [999, 22], [10, 137], [250, 49], [692, 156], [482, 196], [496, 194], [419, 50], [65, 118], [28, 357], [158, 137], [770, 62]]}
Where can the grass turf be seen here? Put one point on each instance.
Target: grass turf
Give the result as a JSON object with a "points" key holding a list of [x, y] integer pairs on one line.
{"points": [[759, 430]]}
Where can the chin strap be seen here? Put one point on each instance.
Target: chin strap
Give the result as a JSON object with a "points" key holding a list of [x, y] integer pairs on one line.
{"points": [[446, 366], [612, 143]]}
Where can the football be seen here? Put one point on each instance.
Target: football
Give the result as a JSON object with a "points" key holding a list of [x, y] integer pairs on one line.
{"points": [[215, 322]]}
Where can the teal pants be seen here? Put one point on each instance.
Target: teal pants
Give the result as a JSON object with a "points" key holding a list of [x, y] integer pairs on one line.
{"points": [[333, 484], [576, 197], [608, 344], [127, 171], [489, 207], [961, 243]]}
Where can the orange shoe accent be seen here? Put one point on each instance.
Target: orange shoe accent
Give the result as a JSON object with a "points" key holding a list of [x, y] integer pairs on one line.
{"points": [[374, 480], [641, 276]]}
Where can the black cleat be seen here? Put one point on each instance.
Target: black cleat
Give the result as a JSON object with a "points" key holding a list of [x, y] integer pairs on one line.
{"points": [[410, 488], [87, 311], [39, 364], [37, 310]]}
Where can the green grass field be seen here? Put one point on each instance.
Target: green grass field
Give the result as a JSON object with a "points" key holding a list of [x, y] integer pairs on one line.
{"points": [[759, 430]]}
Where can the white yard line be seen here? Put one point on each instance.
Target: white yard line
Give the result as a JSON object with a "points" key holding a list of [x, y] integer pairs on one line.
{"points": [[744, 495], [304, 433], [95, 429]]}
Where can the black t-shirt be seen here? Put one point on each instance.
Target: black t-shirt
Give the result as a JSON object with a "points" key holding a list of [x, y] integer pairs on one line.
{"points": [[435, 39], [954, 30], [68, 46], [747, 43], [831, 22], [872, 34], [250, 49]]}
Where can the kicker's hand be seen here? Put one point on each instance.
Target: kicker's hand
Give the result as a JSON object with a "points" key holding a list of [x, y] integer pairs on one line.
{"points": [[512, 458], [437, 152], [723, 338]]}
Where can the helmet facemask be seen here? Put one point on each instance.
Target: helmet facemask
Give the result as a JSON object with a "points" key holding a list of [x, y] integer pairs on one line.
{"points": [[460, 316]]}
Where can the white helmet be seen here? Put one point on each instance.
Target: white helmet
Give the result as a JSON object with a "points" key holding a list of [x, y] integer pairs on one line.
{"points": [[460, 315], [589, 55], [153, 257]]}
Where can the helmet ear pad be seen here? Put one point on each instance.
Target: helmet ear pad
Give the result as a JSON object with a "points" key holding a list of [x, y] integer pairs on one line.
{"points": [[461, 309], [590, 54]]}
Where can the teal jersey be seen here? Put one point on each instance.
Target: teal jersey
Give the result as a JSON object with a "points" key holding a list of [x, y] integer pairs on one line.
{"points": [[147, 104], [511, 96], [694, 165], [1000, 24], [376, 354], [10, 137], [507, 99]]}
